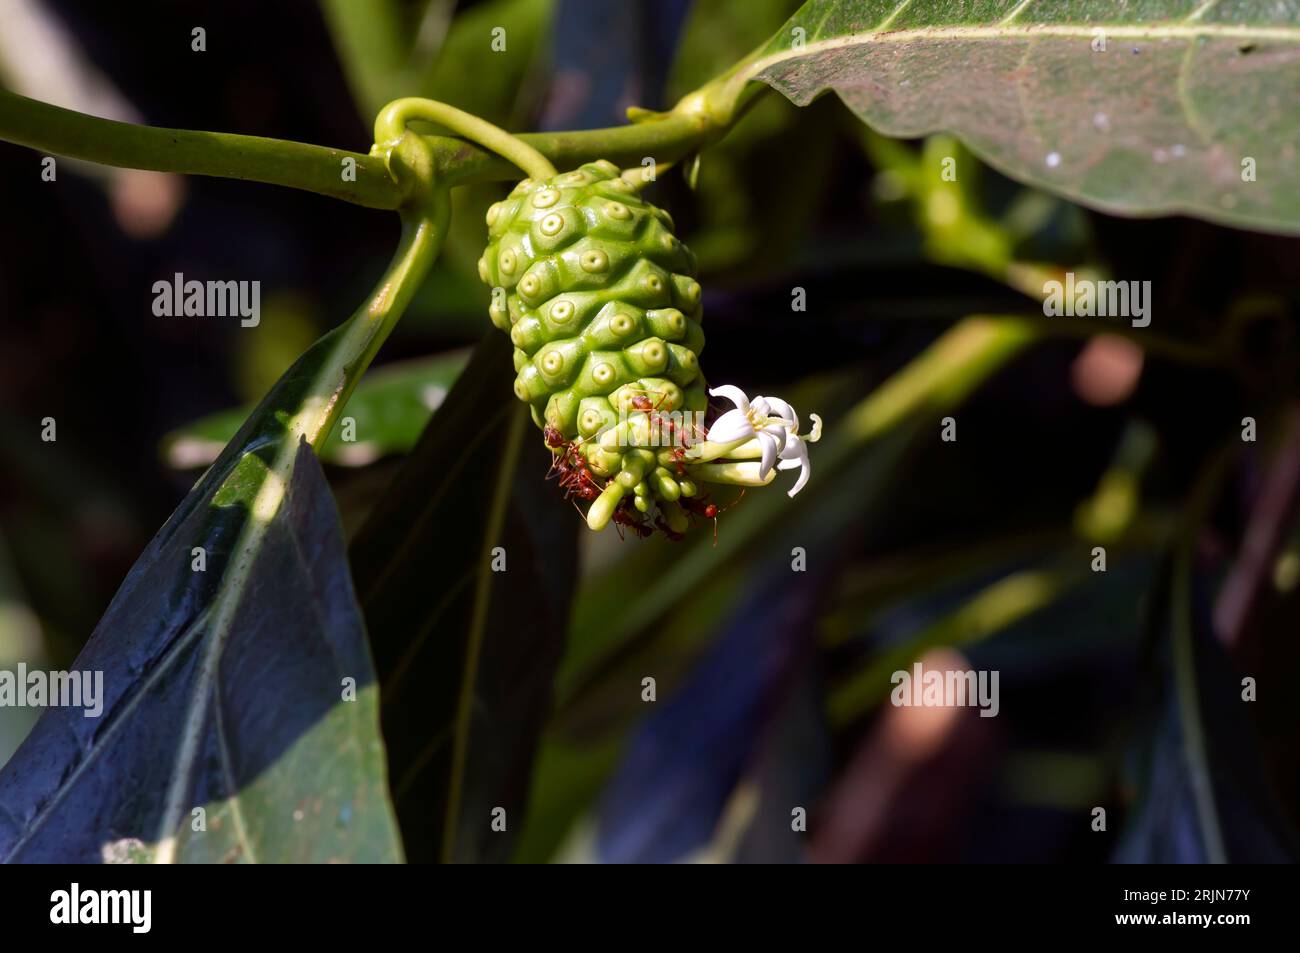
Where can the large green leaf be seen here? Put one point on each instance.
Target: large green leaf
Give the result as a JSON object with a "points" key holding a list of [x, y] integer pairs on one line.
{"points": [[1148, 107], [467, 635], [227, 657]]}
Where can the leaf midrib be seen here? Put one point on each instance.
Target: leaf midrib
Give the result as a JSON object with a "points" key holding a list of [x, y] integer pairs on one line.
{"points": [[478, 622], [1002, 30]]}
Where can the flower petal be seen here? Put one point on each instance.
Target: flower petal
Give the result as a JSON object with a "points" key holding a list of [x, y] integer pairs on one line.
{"points": [[783, 410], [733, 425], [770, 450], [777, 432], [805, 469], [733, 394]]}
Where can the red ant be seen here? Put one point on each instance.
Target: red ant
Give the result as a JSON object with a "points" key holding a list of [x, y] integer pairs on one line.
{"points": [[581, 483], [679, 460], [668, 530], [701, 506], [574, 474], [575, 477], [666, 426], [624, 515]]}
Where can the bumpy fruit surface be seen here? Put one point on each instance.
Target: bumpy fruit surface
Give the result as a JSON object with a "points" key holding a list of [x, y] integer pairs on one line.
{"points": [[601, 302]]}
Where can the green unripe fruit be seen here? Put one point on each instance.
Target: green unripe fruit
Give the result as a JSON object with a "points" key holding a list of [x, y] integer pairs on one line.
{"points": [[597, 295], [601, 302]]}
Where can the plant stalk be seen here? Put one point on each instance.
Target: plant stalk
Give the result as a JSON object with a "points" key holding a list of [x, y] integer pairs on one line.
{"points": [[665, 137]]}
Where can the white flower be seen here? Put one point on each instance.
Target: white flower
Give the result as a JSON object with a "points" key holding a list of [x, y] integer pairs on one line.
{"points": [[750, 420], [773, 424], [795, 454]]}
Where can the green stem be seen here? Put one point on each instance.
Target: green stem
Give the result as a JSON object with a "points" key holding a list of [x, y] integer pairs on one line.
{"points": [[999, 606], [667, 137], [423, 231], [665, 140], [390, 126], [64, 132], [954, 365], [425, 214]]}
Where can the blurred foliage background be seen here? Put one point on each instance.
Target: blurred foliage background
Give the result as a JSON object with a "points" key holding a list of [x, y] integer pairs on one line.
{"points": [[769, 682]]}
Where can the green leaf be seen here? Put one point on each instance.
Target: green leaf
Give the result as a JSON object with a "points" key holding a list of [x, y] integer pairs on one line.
{"points": [[390, 407], [457, 75], [232, 666], [373, 41], [1148, 108], [467, 635], [224, 658]]}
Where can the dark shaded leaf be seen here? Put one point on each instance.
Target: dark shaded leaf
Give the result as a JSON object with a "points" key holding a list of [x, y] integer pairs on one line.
{"points": [[222, 689], [683, 763], [1203, 796], [466, 655]]}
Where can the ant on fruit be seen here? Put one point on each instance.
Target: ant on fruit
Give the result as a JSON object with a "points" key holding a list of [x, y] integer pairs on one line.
{"points": [[661, 424], [668, 530], [624, 515], [574, 475]]}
